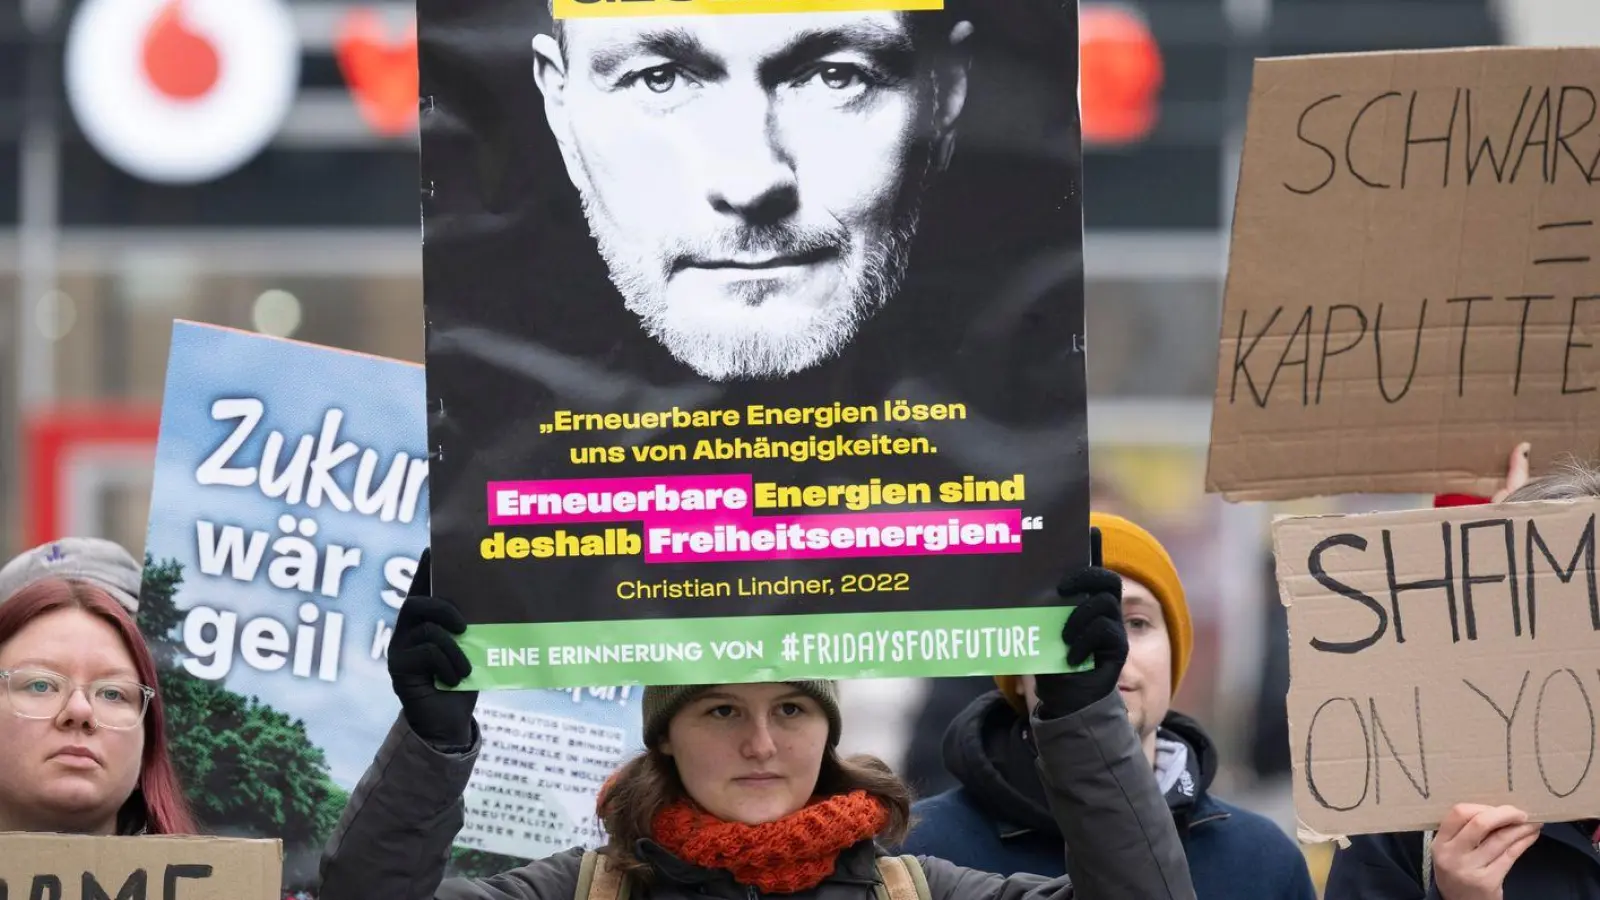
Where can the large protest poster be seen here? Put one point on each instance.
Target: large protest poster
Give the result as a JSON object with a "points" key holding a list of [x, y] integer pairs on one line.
{"points": [[753, 325], [1441, 656], [1410, 289], [288, 509]]}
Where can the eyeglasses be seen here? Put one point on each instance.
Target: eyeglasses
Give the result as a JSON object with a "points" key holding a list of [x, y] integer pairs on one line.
{"points": [[42, 694]]}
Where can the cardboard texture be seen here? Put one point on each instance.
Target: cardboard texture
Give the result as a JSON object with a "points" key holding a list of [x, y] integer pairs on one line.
{"points": [[71, 867], [1441, 657], [1412, 285]]}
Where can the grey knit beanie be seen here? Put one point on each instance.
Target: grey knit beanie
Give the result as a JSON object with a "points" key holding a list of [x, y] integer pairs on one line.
{"points": [[102, 562], [662, 702]]}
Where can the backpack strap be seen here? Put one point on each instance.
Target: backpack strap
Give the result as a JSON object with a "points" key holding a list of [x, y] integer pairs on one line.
{"points": [[919, 876], [903, 879], [1427, 862], [585, 876], [598, 880]]}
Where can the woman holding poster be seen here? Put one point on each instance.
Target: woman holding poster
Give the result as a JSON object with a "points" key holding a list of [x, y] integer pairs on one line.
{"points": [[741, 792]]}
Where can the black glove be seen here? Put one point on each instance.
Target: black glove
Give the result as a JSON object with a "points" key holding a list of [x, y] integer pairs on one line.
{"points": [[1094, 629], [422, 651]]}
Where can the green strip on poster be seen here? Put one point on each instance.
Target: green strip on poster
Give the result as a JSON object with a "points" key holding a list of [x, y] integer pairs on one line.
{"points": [[931, 644]]}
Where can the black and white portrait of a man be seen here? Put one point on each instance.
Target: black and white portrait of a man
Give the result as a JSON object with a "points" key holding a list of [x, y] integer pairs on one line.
{"points": [[675, 237], [754, 182]]}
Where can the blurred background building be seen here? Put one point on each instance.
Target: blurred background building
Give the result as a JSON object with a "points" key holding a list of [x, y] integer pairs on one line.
{"points": [[313, 233]]}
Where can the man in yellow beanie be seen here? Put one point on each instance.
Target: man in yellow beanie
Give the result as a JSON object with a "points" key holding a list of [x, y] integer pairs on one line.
{"points": [[997, 820]]}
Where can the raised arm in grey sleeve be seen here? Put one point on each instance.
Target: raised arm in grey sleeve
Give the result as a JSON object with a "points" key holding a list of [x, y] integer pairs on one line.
{"points": [[395, 836], [1103, 794]]}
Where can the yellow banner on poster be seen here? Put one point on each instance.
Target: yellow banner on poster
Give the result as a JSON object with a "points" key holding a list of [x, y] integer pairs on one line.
{"points": [[594, 9]]}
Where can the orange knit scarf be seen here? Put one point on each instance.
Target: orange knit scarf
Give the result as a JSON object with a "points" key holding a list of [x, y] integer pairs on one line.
{"points": [[794, 853]]}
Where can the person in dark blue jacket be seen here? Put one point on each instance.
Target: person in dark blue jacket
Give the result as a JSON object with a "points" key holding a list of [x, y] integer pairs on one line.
{"points": [[997, 819]]}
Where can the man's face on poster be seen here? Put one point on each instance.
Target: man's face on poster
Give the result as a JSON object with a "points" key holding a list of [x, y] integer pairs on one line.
{"points": [[754, 181]]}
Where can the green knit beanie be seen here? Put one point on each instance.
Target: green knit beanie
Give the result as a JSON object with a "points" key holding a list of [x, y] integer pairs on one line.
{"points": [[662, 702]]}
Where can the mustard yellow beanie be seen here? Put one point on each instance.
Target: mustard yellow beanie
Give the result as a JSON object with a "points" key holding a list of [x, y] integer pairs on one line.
{"points": [[1135, 554]]}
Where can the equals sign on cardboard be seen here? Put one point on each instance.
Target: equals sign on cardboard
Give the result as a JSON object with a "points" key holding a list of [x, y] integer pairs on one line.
{"points": [[1555, 226]]}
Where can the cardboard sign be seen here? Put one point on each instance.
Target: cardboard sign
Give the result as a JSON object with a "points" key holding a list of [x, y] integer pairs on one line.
{"points": [[289, 504], [74, 867], [754, 340], [1440, 657], [1411, 289]]}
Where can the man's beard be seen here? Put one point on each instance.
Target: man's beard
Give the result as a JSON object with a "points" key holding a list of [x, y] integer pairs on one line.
{"points": [[768, 342]]}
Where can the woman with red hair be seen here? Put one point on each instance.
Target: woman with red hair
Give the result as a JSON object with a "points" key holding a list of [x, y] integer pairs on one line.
{"points": [[82, 730]]}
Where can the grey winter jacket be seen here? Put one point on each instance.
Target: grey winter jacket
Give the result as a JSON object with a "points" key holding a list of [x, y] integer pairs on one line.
{"points": [[395, 836]]}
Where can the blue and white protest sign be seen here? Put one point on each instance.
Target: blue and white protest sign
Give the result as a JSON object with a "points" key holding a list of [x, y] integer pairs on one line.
{"points": [[290, 504]]}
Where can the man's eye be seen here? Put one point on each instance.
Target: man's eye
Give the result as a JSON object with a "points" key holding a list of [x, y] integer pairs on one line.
{"points": [[720, 712], [1138, 624], [660, 79], [840, 77], [837, 77]]}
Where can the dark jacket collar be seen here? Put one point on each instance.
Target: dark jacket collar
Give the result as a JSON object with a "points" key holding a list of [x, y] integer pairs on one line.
{"points": [[1190, 798], [986, 750]]}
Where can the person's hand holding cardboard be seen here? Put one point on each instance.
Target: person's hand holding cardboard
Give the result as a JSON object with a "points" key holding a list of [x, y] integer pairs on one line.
{"points": [[1476, 846]]}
